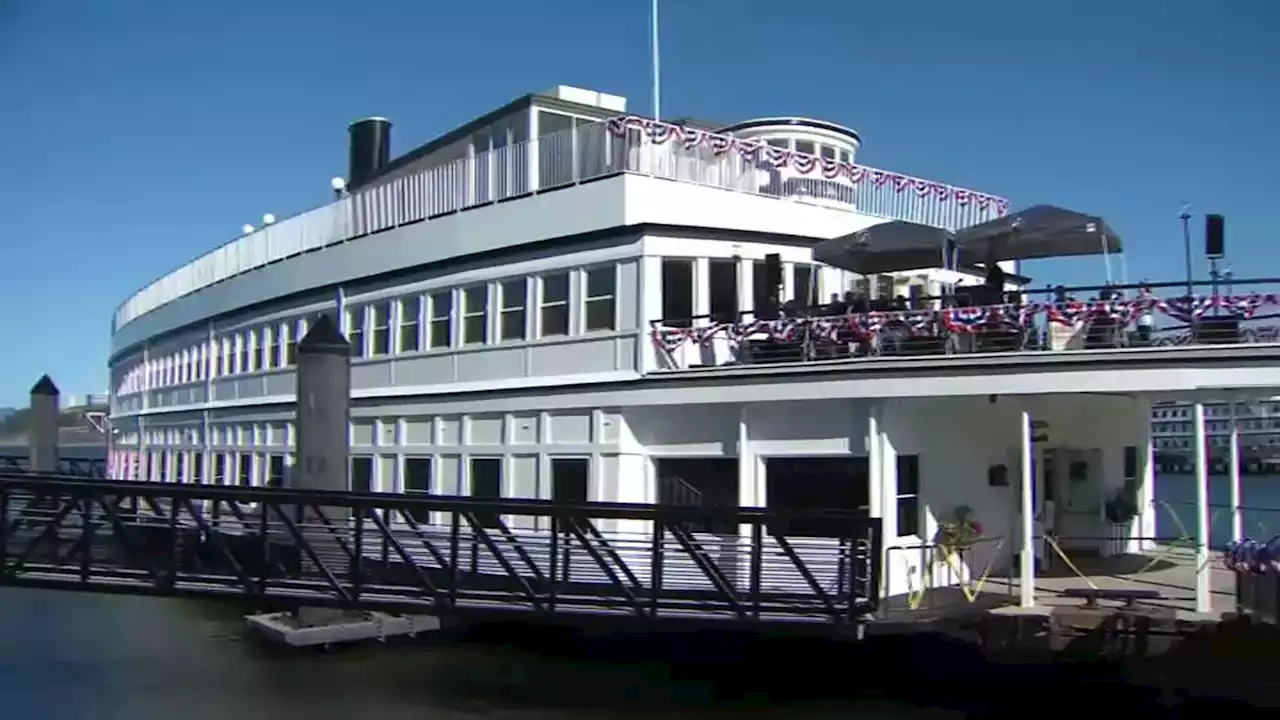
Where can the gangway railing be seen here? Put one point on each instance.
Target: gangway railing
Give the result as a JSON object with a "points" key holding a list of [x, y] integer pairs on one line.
{"points": [[442, 555]]}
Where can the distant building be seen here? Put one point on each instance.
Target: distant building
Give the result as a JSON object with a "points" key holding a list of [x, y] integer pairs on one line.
{"points": [[1258, 424]]}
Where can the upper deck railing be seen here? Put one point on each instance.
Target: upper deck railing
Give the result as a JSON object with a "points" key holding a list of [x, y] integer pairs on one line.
{"points": [[1098, 318], [563, 159]]}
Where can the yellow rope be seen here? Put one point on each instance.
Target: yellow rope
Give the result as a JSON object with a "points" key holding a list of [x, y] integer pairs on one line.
{"points": [[972, 589], [1053, 544]]}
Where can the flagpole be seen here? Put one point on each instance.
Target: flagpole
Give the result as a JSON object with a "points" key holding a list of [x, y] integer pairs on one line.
{"points": [[657, 67]]}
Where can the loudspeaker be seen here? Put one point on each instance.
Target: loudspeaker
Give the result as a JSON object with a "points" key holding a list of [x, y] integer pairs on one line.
{"points": [[773, 273], [1215, 241]]}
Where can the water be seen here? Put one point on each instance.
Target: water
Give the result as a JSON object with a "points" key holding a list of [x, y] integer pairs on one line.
{"points": [[70, 655]]}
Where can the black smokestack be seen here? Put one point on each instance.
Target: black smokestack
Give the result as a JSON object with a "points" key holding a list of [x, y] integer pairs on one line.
{"points": [[370, 150]]}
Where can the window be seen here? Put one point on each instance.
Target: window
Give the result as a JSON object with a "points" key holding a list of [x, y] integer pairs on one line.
{"points": [[355, 330], [361, 473], [779, 143], [553, 305], [486, 482], [601, 308], [410, 319], [417, 480], [380, 319], [677, 292], [828, 152], [475, 306], [220, 469], [268, 358], [807, 484], [275, 471], [180, 471], [227, 357], [247, 364], [197, 468], [244, 476], [441, 320], [570, 479], [511, 320], [761, 293], [802, 281], [284, 335], [723, 277], [908, 502], [805, 146], [845, 156]]}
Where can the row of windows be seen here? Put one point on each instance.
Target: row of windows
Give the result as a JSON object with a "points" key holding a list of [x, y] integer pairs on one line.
{"points": [[508, 310], [1184, 413], [1216, 427], [809, 147], [485, 313], [726, 299]]}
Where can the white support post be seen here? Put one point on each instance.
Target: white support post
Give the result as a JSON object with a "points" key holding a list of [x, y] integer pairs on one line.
{"points": [[1202, 511], [1233, 472], [1145, 531], [875, 489], [1026, 516]]}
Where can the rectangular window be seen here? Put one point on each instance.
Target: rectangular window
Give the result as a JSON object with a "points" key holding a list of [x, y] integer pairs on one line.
{"points": [[828, 152], [601, 306], [802, 279], [723, 280], [355, 330], [512, 317], [180, 469], [275, 471], [805, 146], [197, 468], [410, 320], [475, 308], [570, 480], [486, 483], [268, 353], [380, 319], [248, 362], [361, 473], [220, 469], [244, 475], [908, 502], [227, 357], [441, 319], [416, 480], [677, 292], [553, 305]]}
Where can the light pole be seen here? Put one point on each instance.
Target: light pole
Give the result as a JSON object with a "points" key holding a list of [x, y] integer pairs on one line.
{"points": [[1186, 245], [657, 66]]}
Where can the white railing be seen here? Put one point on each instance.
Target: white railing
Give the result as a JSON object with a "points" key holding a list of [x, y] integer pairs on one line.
{"points": [[621, 145]]}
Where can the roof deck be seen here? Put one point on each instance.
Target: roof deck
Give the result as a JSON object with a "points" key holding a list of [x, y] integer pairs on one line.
{"points": [[565, 159], [1058, 321]]}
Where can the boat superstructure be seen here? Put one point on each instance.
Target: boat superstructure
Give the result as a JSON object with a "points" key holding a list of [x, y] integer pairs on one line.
{"points": [[563, 295]]}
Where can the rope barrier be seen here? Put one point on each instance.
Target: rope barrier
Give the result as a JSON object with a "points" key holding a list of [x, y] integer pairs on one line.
{"points": [[970, 589], [1048, 538]]}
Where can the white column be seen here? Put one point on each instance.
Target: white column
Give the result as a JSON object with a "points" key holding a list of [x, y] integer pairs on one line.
{"points": [[1146, 477], [751, 490], [1202, 511], [1026, 516], [1233, 472], [875, 489], [875, 462]]}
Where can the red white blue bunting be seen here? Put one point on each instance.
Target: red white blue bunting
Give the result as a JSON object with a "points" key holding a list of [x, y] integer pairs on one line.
{"points": [[1120, 312], [802, 163]]}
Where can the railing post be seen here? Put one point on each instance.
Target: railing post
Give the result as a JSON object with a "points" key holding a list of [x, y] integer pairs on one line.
{"points": [[42, 437]]}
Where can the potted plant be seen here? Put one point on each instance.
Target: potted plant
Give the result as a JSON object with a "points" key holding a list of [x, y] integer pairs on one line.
{"points": [[958, 533], [1120, 510]]}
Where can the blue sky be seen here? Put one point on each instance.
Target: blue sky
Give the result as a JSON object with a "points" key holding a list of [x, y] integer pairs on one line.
{"points": [[137, 134]]}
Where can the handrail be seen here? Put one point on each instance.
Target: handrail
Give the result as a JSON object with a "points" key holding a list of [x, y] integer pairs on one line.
{"points": [[563, 159]]}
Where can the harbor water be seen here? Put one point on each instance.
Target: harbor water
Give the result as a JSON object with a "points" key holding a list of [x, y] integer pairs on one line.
{"points": [[72, 655]]}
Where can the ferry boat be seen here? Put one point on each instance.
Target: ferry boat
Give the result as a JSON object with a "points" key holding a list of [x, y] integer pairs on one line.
{"points": [[562, 299]]}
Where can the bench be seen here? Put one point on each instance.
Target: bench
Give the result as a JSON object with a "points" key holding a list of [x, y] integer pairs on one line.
{"points": [[1130, 597]]}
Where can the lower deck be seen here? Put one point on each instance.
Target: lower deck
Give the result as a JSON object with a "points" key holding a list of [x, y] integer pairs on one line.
{"points": [[1169, 570]]}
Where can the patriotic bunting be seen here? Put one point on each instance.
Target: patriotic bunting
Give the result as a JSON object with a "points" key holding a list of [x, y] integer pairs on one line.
{"points": [[1121, 312]]}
